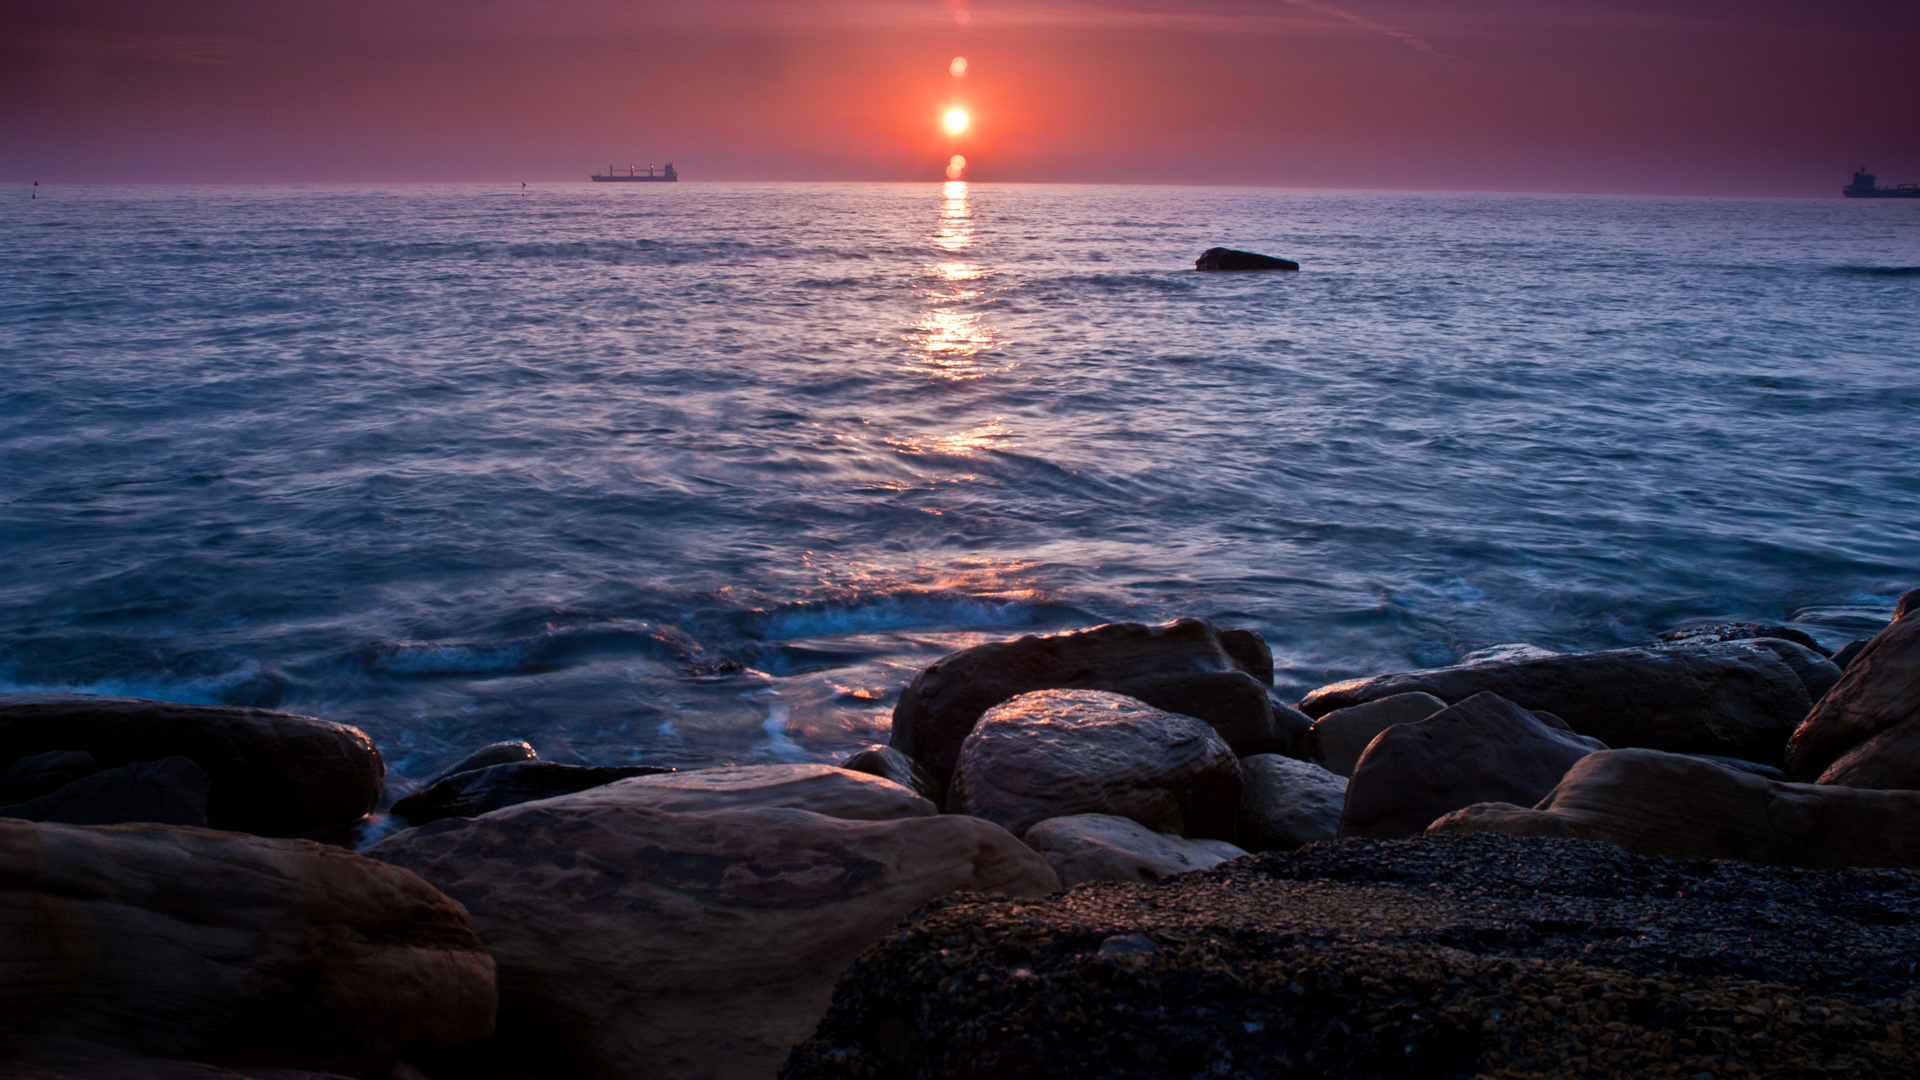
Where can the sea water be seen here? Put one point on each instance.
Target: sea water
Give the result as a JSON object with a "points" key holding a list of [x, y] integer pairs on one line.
{"points": [[697, 473]]}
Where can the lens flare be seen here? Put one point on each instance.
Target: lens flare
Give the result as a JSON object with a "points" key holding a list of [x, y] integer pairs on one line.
{"points": [[956, 121], [958, 67], [956, 168]]}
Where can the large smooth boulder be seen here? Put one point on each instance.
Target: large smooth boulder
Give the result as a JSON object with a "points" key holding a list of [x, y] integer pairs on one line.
{"points": [[634, 942], [472, 792], [1056, 753], [1286, 803], [878, 759], [1219, 258], [269, 773], [171, 791], [1337, 739], [1485, 749], [1890, 759], [941, 705], [1733, 699], [176, 942], [1101, 847], [1688, 808], [822, 789], [1880, 689]]}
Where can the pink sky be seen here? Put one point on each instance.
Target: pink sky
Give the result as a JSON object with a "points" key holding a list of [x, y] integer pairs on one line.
{"points": [[1687, 96]]}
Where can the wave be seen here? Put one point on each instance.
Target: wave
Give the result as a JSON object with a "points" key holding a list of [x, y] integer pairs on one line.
{"points": [[901, 611]]}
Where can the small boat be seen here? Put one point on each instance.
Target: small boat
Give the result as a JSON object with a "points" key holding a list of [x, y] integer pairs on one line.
{"points": [[1863, 188], [635, 176]]}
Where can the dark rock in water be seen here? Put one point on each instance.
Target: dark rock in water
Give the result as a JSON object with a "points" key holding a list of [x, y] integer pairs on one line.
{"points": [[941, 705], [1228, 259], [270, 773], [41, 774], [1431, 957], [1845, 657], [1712, 633], [1736, 700], [889, 764], [171, 791], [500, 753], [1485, 749], [470, 794], [1880, 689]]}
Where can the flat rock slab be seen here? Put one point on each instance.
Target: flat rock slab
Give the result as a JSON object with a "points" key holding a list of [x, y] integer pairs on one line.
{"points": [[1431, 957], [272, 774], [472, 792], [1101, 847]]}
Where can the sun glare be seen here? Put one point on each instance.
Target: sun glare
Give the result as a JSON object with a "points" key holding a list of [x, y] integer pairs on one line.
{"points": [[956, 121], [958, 67]]}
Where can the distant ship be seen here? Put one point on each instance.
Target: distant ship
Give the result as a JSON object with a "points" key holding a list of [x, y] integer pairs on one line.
{"points": [[1861, 188], [635, 176]]}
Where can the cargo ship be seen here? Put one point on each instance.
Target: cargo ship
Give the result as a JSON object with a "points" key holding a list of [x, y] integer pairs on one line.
{"points": [[635, 176], [1863, 188]]}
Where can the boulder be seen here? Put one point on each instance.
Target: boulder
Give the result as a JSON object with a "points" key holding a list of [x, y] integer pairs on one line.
{"points": [[1815, 672], [501, 753], [1706, 699], [1056, 753], [822, 789], [171, 791], [1101, 847], [1339, 738], [478, 791], [1709, 632], [1286, 803], [887, 763], [1484, 749], [1235, 704], [637, 942], [1754, 767], [1220, 258], [1889, 760], [1684, 807], [183, 943], [1844, 658], [42, 774], [88, 1062], [941, 705], [269, 773], [1880, 689]]}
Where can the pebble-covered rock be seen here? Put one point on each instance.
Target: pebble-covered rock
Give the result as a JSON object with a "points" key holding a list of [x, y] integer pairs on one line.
{"points": [[1339, 738], [1484, 749], [1056, 753], [1286, 803], [1101, 847], [1431, 957]]}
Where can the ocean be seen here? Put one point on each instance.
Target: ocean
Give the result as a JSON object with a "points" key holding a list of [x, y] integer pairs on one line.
{"points": [[684, 474]]}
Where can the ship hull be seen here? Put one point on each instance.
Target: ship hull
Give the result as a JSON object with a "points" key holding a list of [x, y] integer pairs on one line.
{"points": [[1883, 193], [634, 179]]}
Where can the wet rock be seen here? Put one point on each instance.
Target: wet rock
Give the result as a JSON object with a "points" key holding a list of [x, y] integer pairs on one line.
{"points": [[181, 943], [1487, 955], [501, 753], [1890, 759], [1714, 699], [1235, 704], [1485, 749], [1286, 803], [1337, 739], [269, 773], [1709, 632], [889, 764], [483, 790], [1056, 753], [1844, 658], [1815, 672], [822, 789], [41, 774], [1510, 651], [171, 791], [941, 705], [1684, 807], [1101, 847], [689, 944], [1220, 258], [1880, 689]]}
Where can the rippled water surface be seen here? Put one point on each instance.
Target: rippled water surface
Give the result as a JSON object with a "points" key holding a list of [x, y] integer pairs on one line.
{"points": [[696, 473]]}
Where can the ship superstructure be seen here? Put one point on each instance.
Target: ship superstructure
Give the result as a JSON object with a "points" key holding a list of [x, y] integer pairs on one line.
{"points": [[635, 176], [1863, 187]]}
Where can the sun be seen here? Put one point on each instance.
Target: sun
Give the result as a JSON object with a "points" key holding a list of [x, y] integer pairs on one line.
{"points": [[956, 121]]}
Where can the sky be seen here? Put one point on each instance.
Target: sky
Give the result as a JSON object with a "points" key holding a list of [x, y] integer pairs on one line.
{"points": [[1732, 97]]}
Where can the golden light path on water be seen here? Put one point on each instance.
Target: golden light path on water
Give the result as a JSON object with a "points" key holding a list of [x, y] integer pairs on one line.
{"points": [[951, 334]]}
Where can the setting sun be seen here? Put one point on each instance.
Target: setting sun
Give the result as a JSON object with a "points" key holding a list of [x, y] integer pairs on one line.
{"points": [[956, 121]]}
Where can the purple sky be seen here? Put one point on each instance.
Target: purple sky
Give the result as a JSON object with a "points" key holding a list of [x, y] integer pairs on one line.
{"points": [[1684, 96]]}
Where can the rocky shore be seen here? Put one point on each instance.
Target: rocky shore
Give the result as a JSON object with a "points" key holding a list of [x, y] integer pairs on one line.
{"points": [[1118, 851]]}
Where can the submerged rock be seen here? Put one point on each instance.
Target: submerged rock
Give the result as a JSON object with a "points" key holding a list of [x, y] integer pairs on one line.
{"points": [[171, 791], [1432, 957], [1056, 753], [1101, 847], [1286, 803], [1485, 749], [483, 790], [1682, 806], [505, 752], [1220, 258], [181, 943], [1880, 689], [637, 942], [269, 773], [941, 705]]}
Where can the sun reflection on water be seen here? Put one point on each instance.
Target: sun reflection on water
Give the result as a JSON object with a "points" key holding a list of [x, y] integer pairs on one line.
{"points": [[951, 333]]}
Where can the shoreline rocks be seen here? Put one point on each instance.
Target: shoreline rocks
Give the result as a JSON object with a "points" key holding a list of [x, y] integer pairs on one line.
{"points": [[1220, 258], [1880, 691], [1101, 847], [470, 792]]}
